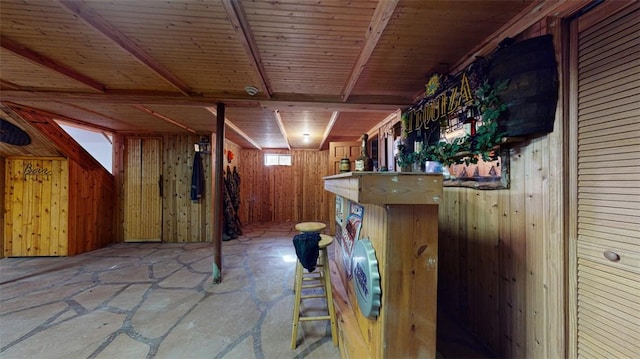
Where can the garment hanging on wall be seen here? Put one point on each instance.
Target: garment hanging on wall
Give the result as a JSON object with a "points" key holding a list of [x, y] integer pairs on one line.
{"points": [[236, 191], [197, 178], [231, 225]]}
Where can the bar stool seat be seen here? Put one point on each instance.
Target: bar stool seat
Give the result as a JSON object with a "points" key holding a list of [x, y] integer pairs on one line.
{"points": [[307, 227], [310, 226], [318, 280]]}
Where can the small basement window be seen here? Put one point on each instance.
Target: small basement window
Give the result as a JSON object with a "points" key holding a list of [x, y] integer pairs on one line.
{"points": [[277, 160]]}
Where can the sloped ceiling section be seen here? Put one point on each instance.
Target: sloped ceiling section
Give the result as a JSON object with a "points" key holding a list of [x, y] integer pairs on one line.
{"points": [[39, 145], [329, 68]]}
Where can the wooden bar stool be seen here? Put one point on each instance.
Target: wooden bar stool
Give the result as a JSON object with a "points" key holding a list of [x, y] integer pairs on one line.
{"points": [[310, 226], [322, 279], [307, 227]]}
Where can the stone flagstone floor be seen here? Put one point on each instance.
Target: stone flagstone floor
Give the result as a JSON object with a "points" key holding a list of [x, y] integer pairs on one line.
{"points": [[157, 300]]}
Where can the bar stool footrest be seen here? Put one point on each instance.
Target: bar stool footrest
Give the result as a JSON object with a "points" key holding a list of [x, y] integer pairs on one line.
{"points": [[310, 319]]}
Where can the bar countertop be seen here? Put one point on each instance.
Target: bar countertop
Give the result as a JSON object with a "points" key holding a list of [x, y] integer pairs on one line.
{"points": [[387, 187]]}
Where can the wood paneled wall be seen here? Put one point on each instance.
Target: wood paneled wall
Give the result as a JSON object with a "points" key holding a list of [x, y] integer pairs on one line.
{"points": [[501, 257], [91, 208], [2, 186], [63, 212], [84, 210], [36, 207], [498, 250], [502, 252], [182, 219], [284, 193]]}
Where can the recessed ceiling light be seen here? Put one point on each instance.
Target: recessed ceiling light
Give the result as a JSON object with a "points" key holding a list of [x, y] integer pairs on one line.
{"points": [[251, 90]]}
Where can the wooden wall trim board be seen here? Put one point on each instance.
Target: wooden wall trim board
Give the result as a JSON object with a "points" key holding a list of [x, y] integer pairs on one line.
{"points": [[554, 279]]}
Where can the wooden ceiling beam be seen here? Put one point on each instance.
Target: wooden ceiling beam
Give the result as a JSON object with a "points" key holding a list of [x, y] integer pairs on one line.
{"points": [[379, 21], [283, 132], [165, 118], [64, 143], [238, 19], [48, 63], [331, 106], [81, 124], [327, 131], [65, 120], [235, 128], [92, 19], [10, 85], [146, 98]]}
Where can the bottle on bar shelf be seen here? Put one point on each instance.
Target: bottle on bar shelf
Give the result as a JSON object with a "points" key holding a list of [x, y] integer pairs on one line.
{"points": [[364, 162]]}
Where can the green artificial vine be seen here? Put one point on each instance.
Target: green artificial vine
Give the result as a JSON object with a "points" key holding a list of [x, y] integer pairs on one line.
{"points": [[467, 149], [405, 158], [405, 125], [488, 136]]}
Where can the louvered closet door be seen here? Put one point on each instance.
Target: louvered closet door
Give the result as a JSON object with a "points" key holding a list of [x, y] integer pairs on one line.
{"points": [[608, 213]]}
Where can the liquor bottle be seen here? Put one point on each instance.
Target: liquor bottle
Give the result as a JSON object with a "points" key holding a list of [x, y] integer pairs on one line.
{"points": [[364, 162], [469, 122]]}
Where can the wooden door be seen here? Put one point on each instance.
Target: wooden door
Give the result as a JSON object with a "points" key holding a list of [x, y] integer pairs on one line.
{"points": [[605, 247], [142, 190], [337, 151], [36, 207]]}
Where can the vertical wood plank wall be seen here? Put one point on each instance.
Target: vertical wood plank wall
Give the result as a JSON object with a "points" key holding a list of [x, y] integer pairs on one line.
{"points": [[66, 214], [142, 187], [501, 255], [182, 219], [83, 202], [2, 186], [91, 207], [284, 193], [36, 207], [495, 250]]}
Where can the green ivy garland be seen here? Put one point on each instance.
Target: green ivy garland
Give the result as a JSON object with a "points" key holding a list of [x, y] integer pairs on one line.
{"points": [[467, 149]]}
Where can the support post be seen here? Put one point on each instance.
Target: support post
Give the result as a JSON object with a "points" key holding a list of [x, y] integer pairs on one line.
{"points": [[218, 196]]}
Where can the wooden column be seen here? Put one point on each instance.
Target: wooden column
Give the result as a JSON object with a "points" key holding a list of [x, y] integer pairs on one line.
{"points": [[218, 197]]}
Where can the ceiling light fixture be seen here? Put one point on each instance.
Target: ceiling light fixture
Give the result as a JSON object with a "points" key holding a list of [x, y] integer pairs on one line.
{"points": [[306, 137], [251, 90]]}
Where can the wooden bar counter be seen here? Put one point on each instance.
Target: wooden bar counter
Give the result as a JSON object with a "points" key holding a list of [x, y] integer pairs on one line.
{"points": [[400, 218]]}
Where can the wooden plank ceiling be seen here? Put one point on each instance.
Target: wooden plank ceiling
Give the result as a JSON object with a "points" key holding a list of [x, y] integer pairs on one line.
{"points": [[329, 68]]}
